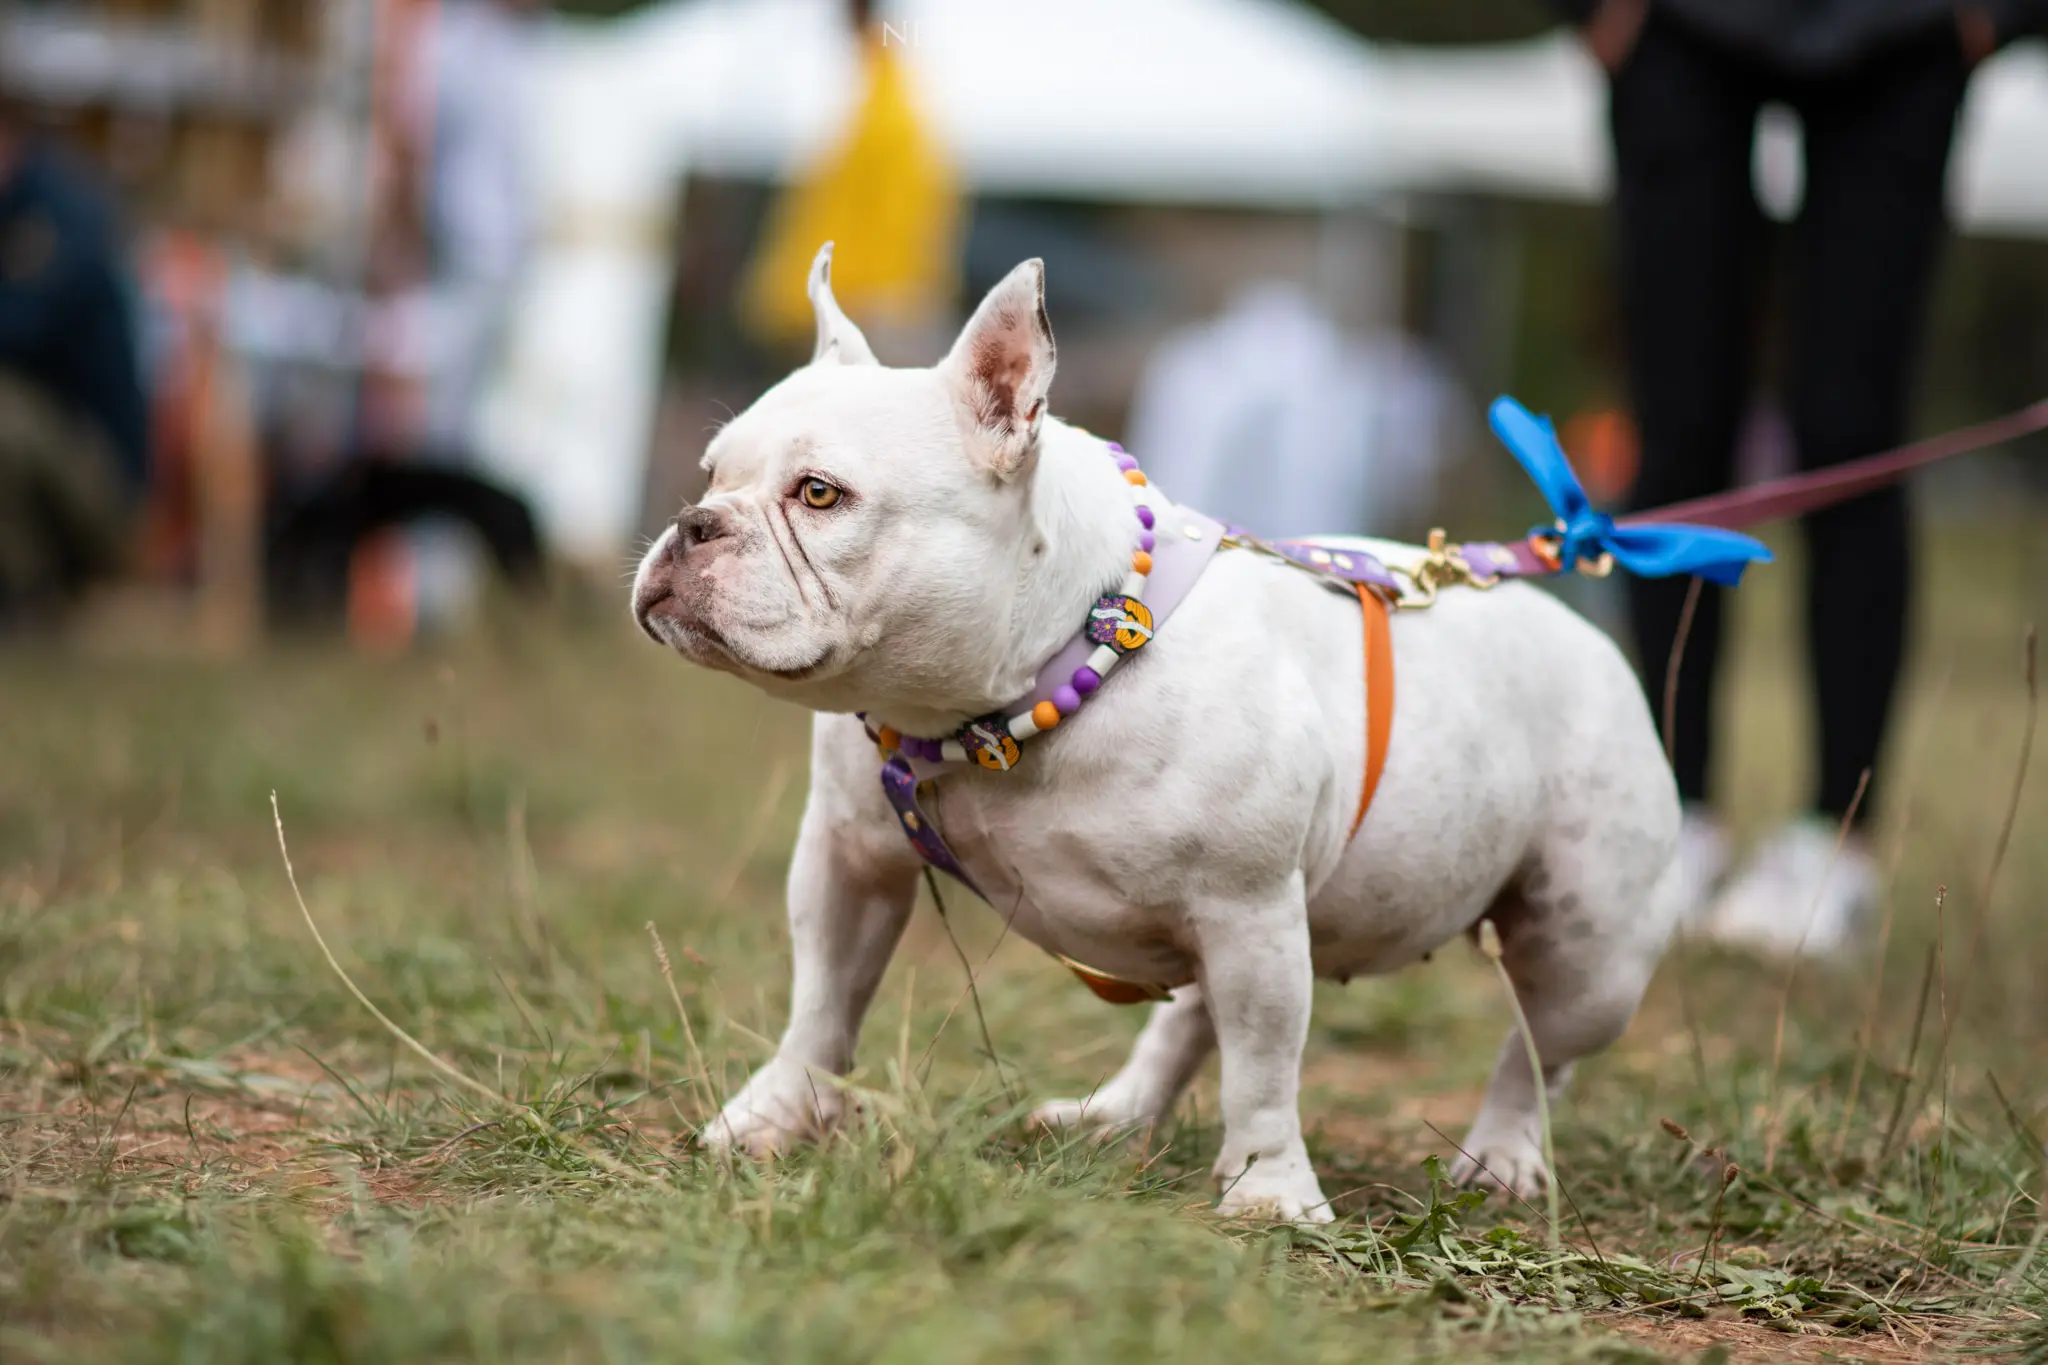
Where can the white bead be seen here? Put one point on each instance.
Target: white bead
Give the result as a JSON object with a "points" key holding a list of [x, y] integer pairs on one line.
{"points": [[1194, 532], [1103, 659], [1134, 586], [953, 751], [1023, 727]]}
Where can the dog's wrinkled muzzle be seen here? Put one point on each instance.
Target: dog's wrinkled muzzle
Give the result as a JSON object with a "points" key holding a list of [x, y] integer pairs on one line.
{"points": [[654, 586]]}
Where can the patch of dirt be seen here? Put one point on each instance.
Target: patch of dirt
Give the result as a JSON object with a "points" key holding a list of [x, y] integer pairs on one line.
{"points": [[1748, 1341], [233, 1123]]}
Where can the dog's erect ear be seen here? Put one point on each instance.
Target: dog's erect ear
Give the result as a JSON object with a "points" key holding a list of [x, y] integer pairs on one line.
{"points": [[1001, 369], [839, 341]]}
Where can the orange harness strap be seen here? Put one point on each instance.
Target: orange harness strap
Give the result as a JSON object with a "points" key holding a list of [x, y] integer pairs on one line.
{"points": [[1379, 725], [1379, 696]]}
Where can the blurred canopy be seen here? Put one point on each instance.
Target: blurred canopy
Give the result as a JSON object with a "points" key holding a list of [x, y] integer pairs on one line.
{"points": [[1401, 21], [887, 196]]}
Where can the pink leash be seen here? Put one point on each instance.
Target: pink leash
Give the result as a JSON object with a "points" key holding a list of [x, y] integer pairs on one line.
{"points": [[1798, 494]]}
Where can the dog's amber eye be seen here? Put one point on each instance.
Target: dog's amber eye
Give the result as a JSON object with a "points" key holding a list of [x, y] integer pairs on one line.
{"points": [[817, 493]]}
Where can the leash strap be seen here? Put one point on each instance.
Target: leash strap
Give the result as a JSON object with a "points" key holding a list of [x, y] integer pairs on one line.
{"points": [[1799, 494], [1582, 542]]}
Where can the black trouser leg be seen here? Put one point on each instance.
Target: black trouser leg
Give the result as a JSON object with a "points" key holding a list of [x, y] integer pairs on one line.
{"points": [[1683, 120], [1877, 145]]}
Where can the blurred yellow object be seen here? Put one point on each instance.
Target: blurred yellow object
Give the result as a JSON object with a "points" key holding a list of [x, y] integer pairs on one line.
{"points": [[887, 195]]}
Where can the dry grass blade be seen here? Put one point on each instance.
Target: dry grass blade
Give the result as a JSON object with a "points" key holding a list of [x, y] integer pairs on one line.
{"points": [[1671, 667], [988, 1041], [668, 975], [426, 1054], [1866, 1035], [1892, 1128], [1792, 971], [1669, 717], [1728, 1174], [2030, 664]]}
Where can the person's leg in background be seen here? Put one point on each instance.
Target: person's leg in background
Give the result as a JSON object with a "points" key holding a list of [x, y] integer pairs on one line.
{"points": [[1683, 117], [1877, 143]]}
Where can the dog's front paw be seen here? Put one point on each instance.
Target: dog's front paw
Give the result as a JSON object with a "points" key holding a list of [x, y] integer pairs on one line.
{"points": [[784, 1103], [1282, 1188], [1508, 1159], [1098, 1114]]}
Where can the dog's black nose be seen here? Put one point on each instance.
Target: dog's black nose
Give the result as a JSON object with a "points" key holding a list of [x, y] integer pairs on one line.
{"points": [[698, 526]]}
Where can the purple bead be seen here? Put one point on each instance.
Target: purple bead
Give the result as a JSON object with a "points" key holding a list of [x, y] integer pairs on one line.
{"points": [[1116, 448], [931, 750], [1126, 462], [1067, 700], [1086, 680], [1145, 517], [1146, 541]]}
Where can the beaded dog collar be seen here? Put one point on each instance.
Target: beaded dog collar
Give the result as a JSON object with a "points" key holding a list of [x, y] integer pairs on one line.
{"points": [[1118, 624]]}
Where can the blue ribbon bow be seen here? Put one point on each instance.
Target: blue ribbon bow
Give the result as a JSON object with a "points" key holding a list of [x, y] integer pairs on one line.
{"points": [[1650, 550]]}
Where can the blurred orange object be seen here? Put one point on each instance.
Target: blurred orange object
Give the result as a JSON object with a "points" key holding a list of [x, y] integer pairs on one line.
{"points": [[381, 601], [1604, 450], [887, 195]]}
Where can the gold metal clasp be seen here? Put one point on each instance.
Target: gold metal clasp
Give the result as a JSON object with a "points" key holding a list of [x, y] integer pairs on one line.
{"points": [[1551, 547], [1443, 566]]}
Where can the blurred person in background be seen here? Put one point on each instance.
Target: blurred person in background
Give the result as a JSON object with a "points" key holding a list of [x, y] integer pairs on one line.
{"points": [[1274, 418], [465, 151], [1877, 85], [454, 240], [73, 431]]}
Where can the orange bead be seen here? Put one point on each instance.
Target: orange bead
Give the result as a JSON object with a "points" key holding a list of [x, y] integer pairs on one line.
{"points": [[1142, 562], [889, 739], [1135, 476], [1045, 715]]}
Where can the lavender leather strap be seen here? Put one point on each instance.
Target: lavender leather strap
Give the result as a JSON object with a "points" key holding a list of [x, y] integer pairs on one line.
{"points": [[899, 784], [1508, 559], [1334, 561]]}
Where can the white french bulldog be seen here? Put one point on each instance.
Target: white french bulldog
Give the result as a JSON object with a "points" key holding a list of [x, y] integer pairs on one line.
{"points": [[915, 543]]}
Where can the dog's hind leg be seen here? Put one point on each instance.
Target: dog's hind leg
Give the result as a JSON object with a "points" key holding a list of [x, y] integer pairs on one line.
{"points": [[1580, 944], [1175, 1042]]}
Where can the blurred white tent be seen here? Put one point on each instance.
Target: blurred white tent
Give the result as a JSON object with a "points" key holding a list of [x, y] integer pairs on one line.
{"points": [[1218, 102], [1202, 101]]}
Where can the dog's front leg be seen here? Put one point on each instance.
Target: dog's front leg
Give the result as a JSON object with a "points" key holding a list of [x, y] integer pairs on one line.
{"points": [[1258, 979], [852, 881]]}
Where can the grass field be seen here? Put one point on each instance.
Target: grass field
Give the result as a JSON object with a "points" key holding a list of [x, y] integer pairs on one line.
{"points": [[210, 1151]]}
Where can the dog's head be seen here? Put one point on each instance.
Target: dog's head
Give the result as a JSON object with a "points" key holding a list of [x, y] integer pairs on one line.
{"points": [[865, 527]]}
